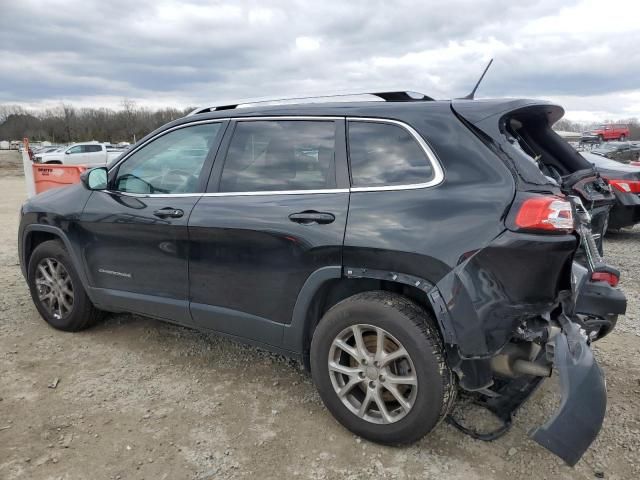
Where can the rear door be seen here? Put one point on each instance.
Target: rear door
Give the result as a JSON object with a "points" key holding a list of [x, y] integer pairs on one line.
{"points": [[275, 212], [136, 240], [95, 155]]}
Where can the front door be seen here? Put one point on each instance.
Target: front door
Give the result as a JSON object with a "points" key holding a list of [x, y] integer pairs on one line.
{"points": [[276, 212], [136, 232], [74, 155]]}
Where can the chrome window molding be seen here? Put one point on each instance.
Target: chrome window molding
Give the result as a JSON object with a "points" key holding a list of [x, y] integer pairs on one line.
{"points": [[230, 194], [164, 132], [152, 195], [438, 173]]}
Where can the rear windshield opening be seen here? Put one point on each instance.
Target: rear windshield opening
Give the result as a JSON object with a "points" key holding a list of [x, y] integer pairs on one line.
{"points": [[531, 135]]}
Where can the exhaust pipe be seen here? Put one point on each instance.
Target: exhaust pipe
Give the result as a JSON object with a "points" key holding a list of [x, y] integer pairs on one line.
{"points": [[515, 360], [525, 367]]}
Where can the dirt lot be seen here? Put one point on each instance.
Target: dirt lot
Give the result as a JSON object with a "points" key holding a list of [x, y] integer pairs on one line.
{"points": [[138, 398]]}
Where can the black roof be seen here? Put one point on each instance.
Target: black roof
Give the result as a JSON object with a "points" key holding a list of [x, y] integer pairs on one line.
{"points": [[473, 110]]}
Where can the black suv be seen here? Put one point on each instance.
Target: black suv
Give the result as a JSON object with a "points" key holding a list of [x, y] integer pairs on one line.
{"points": [[406, 250]]}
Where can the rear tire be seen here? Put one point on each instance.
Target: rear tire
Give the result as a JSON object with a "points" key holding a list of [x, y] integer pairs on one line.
{"points": [[622, 137], [57, 291], [386, 323]]}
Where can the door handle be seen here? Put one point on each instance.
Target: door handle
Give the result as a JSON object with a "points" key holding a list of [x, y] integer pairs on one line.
{"points": [[310, 217], [168, 212]]}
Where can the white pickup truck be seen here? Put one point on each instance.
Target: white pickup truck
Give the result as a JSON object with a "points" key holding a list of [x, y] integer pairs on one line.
{"points": [[90, 153]]}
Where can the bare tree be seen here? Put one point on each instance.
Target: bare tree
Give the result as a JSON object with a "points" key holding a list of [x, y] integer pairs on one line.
{"points": [[129, 115], [68, 117], [66, 124]]}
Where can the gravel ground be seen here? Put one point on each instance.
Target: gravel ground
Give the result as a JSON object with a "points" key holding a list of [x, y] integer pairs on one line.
{"points": [[136, 398]]}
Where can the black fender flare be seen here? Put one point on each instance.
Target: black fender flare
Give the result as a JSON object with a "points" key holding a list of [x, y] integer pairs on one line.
{"points": [[295, 333], [431, 291], [58, 232], [293, 336]]}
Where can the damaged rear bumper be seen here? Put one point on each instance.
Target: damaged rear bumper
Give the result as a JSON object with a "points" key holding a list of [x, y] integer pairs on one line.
{"points": [[576, 423]]}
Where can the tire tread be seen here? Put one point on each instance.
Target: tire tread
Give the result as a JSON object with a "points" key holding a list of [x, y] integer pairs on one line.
{"points": [[88, 314]]}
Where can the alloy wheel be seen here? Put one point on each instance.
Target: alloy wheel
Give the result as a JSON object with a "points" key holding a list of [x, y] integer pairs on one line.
{"points": [[372, 374], [54, 287]]}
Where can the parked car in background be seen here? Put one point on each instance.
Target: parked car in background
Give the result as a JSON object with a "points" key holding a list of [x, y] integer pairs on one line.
{"points": [[625, 180], [589, 138], [624, 152], [91, 153], [611, 131], [43, 150]]}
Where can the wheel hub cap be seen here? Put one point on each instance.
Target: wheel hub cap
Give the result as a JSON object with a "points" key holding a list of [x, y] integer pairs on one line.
{"points": [[372, 373]]}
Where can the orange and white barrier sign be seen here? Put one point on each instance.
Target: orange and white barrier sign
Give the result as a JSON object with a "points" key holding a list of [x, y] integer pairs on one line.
{"points": [[28, 170], [41, 177], [48, 176]]}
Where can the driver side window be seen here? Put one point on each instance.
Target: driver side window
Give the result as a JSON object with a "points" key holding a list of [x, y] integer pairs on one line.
{"points": [[169, 164]]}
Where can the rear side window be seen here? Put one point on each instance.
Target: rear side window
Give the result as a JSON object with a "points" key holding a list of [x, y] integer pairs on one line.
{"points": [[277, 155], [384, 154], [92, 148]]}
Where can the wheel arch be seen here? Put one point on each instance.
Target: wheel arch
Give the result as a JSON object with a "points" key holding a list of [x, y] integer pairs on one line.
{"points": [[35, 234], [327, 286]]}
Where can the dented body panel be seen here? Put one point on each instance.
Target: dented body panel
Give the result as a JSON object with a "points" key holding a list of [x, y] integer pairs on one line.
{"points": [[576, 423], [488, 296]]}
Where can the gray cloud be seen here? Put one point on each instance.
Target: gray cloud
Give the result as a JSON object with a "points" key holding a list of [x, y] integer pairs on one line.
{"points": [[195, 52]]}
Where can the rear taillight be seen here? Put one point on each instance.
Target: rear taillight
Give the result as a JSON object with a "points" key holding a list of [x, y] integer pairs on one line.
{"points": [[545, 213], [608, 277], [626, 186]]}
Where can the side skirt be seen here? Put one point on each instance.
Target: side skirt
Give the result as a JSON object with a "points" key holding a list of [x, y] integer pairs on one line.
{"points": [[237, 326]]}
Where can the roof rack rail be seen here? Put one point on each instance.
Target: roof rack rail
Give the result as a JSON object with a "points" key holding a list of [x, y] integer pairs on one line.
{"points": [[396, 96]]}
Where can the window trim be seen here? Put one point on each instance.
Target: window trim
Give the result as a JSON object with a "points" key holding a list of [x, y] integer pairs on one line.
{"points": [[340, 151], [438, 172], [207, 161], [438, 176]]}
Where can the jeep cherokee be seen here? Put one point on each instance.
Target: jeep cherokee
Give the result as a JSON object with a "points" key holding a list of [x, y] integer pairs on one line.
{"points": [[405, 249]]}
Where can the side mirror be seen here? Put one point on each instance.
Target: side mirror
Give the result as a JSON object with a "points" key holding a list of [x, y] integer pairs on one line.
{"points": [[95, 179], [67, 152]]}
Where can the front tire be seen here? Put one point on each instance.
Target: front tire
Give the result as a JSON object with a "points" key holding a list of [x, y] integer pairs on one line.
{"points": [[57, 291], [378, 363]]}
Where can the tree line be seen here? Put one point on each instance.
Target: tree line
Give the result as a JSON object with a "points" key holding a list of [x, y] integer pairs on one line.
{"points": [[68, 124]]}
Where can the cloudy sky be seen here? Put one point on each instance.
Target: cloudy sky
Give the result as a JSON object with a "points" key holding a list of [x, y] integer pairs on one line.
{"points": [[583, 54]]}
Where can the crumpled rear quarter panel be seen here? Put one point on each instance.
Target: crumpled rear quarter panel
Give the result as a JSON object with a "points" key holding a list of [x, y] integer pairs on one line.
{"points": [[517, 276]]}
